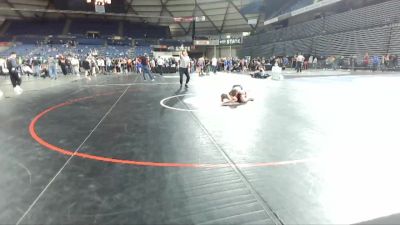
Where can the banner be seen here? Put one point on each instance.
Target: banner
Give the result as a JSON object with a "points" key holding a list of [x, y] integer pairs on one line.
{"points": [[231, 41]]}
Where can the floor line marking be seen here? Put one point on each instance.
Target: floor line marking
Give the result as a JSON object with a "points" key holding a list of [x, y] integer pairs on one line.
{"points": [[41, 141], [162, 103], [69, 159], [266, 208]]}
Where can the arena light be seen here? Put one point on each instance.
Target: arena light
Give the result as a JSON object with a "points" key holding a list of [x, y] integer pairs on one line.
{"points": [[99, 2]]}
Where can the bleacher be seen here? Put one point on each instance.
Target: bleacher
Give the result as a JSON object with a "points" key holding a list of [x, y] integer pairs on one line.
{"points": [[82, 26], [371, 16], [394, 47], [50, 32], [22, 49], [35, 27], [358, 42], [350, 33], [142, 50], [104, 27], [135, 30]]}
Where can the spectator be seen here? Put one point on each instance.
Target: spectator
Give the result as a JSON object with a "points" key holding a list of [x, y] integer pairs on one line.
{"points": [[75, 66], [160, 65], [52, 65], [299, 63], [214, 64], [146, 67]]}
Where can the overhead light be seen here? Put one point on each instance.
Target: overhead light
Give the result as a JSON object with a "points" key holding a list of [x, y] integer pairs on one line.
{"points": [[99, 2]]}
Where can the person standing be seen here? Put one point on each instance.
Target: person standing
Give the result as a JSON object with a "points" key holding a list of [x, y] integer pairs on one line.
{"points": [[52, 68], [200, 66], [184, 66], [63, 64], [145, 61], [299, 63], [36, 66], [160, 64], [75, 66], [15, 77], [311, 61], [214, 64]]}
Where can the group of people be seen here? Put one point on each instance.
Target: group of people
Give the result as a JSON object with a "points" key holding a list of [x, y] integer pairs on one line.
{"points": [[236, 95], [90, 65]]}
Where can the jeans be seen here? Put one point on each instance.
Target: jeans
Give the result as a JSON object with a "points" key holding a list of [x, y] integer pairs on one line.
{"points": [[146, 69], [36, 71], [299, 66], [186, 72], [53, 72]]}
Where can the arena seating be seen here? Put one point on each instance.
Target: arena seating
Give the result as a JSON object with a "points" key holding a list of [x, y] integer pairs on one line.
{"points": [[104, 27], [82, 26], [22, 49], [355, 32], [35, 27], [395, 40], [142, 50], [6, 39], [145, 31]]}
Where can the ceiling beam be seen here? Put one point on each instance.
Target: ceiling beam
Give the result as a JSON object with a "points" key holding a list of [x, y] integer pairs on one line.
{"points": [[135, 12], [161, 11], [17, 12], [172, 4], [72, 12], [258, 22], [208, 18], [130, 3], [223, 21], [49, 4], [193, 16], [164, 7], [238, 10]]}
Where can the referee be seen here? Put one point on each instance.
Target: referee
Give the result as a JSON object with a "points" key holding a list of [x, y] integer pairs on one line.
{"points": [[184, 66]]}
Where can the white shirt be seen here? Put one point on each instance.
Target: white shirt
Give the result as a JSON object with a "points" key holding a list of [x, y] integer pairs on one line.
{"points": [[160, 61], [185, 61], [300, 58], [214, 62], [3, 63], [74, 62], [100, 62], [311, 59]]}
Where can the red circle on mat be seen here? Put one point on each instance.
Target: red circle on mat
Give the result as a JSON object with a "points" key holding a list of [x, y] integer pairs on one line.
{"points": [[41, 141]]}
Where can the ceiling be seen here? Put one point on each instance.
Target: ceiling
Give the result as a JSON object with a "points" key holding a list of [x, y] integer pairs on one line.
{"points": [[221, 16]]}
